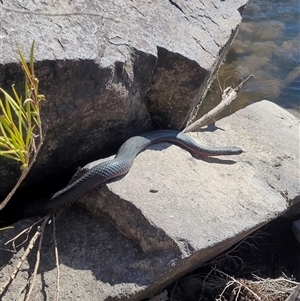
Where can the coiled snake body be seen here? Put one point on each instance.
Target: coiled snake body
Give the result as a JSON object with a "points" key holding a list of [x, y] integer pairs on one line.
{"points": [[107, 171]]}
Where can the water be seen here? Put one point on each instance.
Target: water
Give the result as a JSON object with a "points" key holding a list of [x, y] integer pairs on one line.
{"points": [[267, 46]]}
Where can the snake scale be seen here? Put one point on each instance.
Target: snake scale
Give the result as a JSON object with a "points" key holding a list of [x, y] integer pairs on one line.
{"points": [[107, 171]]}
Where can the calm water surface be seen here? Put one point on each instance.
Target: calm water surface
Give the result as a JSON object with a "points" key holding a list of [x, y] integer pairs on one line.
{"points": [[267, 46]]}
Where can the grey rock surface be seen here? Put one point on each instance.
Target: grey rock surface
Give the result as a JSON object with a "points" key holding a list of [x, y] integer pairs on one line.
{"points": [[109, 70], [173, 212], [296, 229]]}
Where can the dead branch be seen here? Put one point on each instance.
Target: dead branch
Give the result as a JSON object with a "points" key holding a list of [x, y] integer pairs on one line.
{"points": [[295, 295], [19, 264], [228, 95], [38, 258], [27, 231], [238, 283], [56, 261], [24, 256]]}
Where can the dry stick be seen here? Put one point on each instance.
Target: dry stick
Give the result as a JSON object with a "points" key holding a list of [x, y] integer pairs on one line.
{"points": [[18, 266], [29, 279], [238, 293], [280, 279], [27, 230], [38, 257], [24, 256], [228, 96], [229, 284], [56, 261], [273, 286], [295, 295], [233, 280]]}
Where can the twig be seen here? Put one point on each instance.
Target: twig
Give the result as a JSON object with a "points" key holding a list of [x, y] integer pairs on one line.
{"points": [[233, 280], [229, 284], [20, 234], [24, 256], [18, 266], [238, 293], [228, 95], [56, 261], [280, 279], [38, 257], [295, 295]]}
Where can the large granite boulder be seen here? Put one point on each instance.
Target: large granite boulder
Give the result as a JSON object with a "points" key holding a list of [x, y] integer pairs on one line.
{"points": [[109, 70]]}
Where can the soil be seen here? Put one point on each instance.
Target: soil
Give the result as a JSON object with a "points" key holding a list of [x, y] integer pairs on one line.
{"points": [[265, 266]]}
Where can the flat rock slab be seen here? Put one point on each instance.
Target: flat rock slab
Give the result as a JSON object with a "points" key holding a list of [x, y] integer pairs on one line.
{"points": [[176, 211], [167, 192]]}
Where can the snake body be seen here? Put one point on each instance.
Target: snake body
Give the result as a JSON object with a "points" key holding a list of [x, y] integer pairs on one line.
{"points": [[107, 171]]}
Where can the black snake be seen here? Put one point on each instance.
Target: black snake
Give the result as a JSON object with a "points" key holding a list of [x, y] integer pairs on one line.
{"points": [[107, 171]]}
